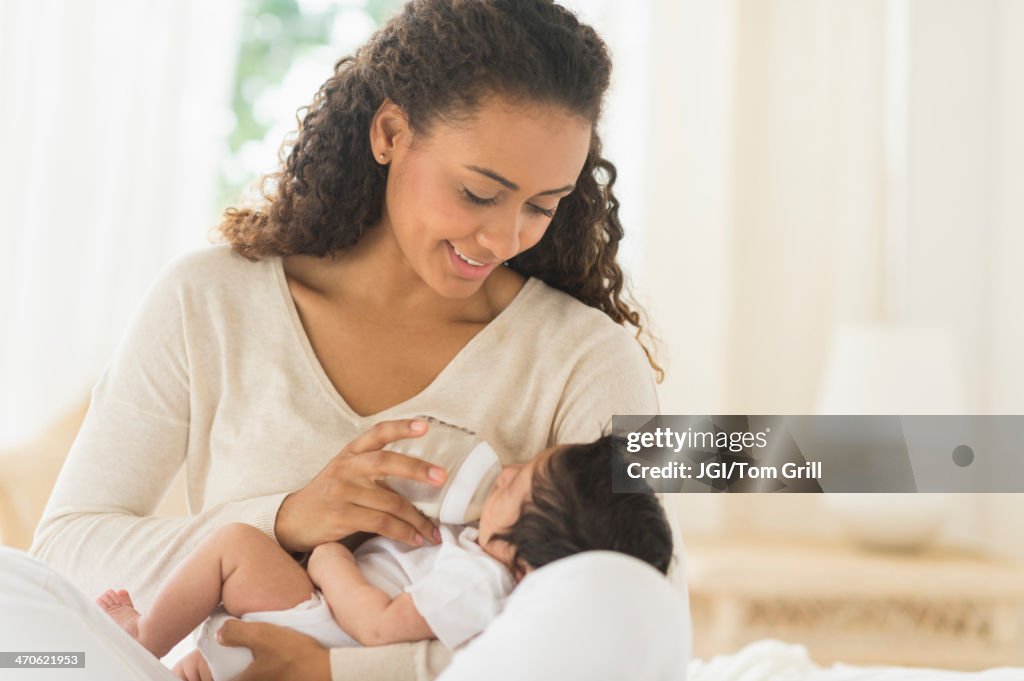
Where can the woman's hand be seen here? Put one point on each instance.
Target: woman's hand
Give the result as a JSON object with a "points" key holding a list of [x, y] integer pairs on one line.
{"points": [[193, 667], [278, 653], [346, 496]]}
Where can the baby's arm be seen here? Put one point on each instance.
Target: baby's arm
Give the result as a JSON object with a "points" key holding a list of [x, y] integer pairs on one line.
{"points": [[366, 613]]}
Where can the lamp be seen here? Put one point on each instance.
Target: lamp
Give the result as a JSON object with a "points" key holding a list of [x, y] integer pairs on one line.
{"points": [[891, 369]]}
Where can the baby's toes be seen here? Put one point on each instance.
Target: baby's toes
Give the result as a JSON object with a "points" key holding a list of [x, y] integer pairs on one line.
{"points": [[121, 598], [111, 600], [104, 599]]}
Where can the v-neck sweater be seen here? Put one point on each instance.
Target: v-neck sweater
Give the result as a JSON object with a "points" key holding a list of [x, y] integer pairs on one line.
{"points": [[216, 373]]}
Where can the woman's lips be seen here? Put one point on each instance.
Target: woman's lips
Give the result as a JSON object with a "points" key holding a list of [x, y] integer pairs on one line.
{"points": [[463, 268]]}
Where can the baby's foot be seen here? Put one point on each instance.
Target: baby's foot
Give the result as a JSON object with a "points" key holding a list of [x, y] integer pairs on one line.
{"points": [[118, 604]]}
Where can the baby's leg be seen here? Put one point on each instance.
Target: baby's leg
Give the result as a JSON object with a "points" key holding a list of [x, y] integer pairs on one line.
{"points": [[236, 564]]}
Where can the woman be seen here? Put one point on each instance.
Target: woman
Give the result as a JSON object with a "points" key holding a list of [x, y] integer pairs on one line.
{"points": [[440, 239]]}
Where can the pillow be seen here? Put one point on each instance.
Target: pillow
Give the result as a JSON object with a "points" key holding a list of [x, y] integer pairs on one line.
{"points": [[593, 616]]}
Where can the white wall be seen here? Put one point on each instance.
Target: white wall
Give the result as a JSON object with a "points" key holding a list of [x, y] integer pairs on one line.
{"points": [[776, 179]]}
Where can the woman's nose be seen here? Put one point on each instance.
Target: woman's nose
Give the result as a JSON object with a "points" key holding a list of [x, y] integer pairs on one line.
{"points": [[500, 238]]}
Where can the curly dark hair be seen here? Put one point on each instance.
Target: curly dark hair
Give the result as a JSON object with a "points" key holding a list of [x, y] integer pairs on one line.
{"points": [[573, 509], [438, 60]]}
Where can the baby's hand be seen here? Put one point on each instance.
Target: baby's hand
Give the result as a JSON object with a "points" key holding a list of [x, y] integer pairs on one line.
{"points": [[324, 556]]}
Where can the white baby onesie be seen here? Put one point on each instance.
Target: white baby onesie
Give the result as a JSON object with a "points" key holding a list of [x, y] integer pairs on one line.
{"points": [[456, 587]]}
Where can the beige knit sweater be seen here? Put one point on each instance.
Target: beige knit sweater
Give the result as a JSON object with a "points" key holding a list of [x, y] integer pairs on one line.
{"points": [[217, 374]]}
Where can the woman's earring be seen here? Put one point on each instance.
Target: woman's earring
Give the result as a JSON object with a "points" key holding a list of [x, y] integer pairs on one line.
{"points": [[383, 156]]}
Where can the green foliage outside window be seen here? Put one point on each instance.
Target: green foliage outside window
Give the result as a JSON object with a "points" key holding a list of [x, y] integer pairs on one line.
{"points": [[274, 35]]}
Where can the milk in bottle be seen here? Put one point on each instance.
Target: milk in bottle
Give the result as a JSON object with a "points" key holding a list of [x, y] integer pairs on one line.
{"points": [[472, 467]]}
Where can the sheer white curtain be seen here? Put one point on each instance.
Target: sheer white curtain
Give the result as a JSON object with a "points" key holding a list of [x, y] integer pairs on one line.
{"points": [[625, 27], [786, 139], [774, 172], [112, 122]]}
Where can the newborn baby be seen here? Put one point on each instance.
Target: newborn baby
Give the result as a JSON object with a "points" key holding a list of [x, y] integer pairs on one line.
{"points": [[557, 504]]}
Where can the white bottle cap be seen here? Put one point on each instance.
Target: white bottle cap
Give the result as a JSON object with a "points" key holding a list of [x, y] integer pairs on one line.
{"points": [[472, 471]]}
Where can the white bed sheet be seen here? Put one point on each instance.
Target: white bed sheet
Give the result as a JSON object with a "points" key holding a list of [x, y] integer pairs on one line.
{"points": [[770, 660]]}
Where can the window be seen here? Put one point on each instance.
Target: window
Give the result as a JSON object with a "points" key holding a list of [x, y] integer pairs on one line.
{"points": [[288, 48]]}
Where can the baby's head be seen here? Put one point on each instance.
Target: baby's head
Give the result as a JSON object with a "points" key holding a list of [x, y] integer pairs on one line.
{"points": [[561, 503]]}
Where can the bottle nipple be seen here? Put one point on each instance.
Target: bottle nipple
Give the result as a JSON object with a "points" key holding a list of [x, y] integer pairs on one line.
{"points": [[480, 467]]}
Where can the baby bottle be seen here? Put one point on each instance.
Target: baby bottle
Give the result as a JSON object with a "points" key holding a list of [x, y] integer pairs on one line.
{"points": [[471, 464]]}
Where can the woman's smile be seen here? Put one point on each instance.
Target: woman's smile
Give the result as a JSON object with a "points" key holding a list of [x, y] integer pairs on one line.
{"points": [[471, 261], [465, 266]]}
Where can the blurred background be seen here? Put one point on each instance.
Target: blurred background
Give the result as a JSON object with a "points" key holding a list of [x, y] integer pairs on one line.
{"points": [[824, 204]]}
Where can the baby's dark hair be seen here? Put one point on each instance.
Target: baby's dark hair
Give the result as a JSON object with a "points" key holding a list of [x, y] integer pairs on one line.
{"points": [[573, 510]]}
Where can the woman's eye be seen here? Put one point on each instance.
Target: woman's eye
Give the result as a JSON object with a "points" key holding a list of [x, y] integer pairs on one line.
{"points": [[478, 200], [481, 201], [546, 212]]}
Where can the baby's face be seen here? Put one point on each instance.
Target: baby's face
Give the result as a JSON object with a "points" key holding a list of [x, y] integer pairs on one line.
{"points": [[512, 489]]}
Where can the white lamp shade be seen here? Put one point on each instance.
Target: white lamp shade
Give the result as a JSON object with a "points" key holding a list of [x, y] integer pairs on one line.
{"points": [[892, 369], [900, 370]]}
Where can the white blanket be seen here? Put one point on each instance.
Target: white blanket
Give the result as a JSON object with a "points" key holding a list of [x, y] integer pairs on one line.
{"points": [[637, 628], [776, 661]]}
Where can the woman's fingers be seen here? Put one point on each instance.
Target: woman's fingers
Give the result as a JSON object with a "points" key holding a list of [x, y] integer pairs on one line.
{"points": [[204, 672], [278, 653], [380, 434], [252, 635], [193, 667], [387, 525], [181, 672], [203, 668], [384, 500], [383, 463], [321, 511]]}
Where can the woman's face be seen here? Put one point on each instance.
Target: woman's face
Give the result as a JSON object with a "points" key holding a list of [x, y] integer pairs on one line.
{"points": [[470, 195]]}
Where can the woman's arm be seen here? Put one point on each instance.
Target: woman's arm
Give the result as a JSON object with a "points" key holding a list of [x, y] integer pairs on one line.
{"points": [[98, 527], [280, 653], [365, 612], [610, 376]]}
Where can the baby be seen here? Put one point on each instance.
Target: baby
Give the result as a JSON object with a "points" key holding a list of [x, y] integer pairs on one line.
{"points": [[557, 504]]}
